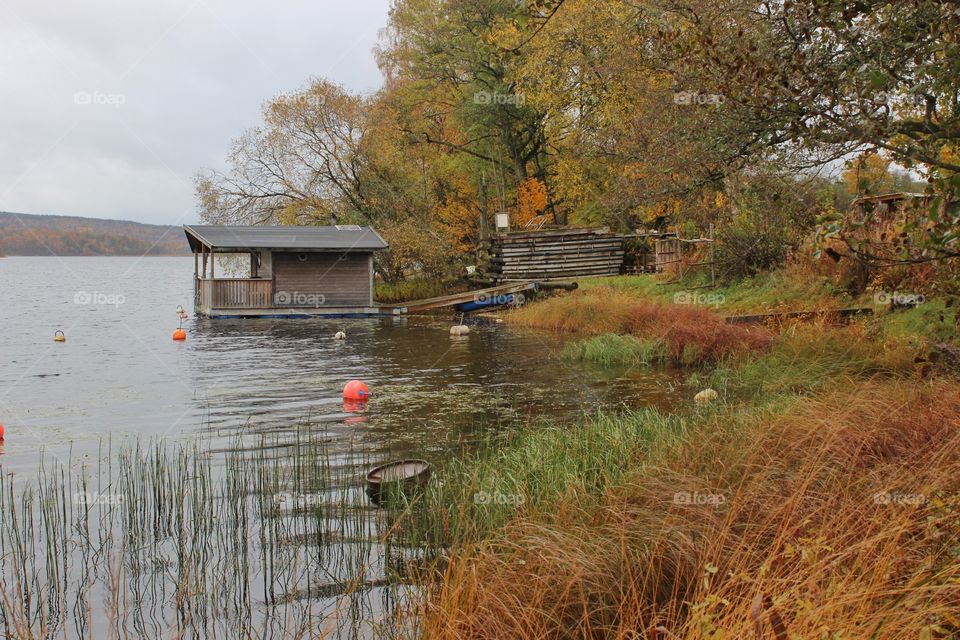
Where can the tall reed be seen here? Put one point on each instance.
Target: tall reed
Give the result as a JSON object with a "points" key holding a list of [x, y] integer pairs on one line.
{"points": [[273, 537]]}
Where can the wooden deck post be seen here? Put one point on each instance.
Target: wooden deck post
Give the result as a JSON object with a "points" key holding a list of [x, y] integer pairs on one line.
{"points": [[196, 282]]}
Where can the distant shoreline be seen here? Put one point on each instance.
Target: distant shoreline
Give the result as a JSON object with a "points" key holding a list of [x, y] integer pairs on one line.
{"points": [[24, 234], [105, 255]]}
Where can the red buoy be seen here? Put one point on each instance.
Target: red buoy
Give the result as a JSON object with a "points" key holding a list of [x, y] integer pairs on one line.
{"points": [[1, 432], [356, 390], [179, 334]]}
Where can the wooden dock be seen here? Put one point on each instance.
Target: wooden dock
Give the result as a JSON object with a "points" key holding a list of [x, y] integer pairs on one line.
{"points": [[477, 295]]}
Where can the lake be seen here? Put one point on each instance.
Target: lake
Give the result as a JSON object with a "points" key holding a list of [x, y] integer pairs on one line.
{"points": [[119, 381], [119, 374]]}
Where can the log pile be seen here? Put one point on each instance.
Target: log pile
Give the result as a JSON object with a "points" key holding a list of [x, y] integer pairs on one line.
{"points": [[554, 254]]}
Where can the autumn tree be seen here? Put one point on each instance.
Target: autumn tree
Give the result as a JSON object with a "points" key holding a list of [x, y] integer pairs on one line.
{"points": [[868, 175], [826, 78], [456, 61]]}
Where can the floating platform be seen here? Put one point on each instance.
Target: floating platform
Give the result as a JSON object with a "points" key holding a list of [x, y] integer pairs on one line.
{"points": [[477, 299], [303, 312]]}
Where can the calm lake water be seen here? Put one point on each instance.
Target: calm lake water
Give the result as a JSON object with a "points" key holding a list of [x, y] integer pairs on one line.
{"points": [[119, 380], [119, 374]]}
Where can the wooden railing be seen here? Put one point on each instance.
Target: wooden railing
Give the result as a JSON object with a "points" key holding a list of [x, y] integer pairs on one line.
{"points": [[235, 293]]}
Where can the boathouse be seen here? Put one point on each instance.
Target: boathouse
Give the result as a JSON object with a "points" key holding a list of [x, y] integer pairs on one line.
{"points": [[293, 271]]}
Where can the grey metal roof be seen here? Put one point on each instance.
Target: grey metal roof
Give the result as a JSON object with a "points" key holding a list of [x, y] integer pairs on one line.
{"points": [[228, 238]]}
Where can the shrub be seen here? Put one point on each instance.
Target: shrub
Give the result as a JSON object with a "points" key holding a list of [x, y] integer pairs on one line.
{"points": [[687, 333]]}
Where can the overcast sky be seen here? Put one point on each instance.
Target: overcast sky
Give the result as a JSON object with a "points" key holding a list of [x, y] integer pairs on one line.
{"points": [[109, 107]]}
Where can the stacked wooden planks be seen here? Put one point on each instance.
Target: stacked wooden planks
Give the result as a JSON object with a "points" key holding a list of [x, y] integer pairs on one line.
{"points": [[554, 254]]}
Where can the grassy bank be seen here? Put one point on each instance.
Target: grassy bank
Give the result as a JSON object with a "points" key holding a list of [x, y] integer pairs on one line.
{"points": [[685, 334], [828, 517], [818, 498], [784, 289]]}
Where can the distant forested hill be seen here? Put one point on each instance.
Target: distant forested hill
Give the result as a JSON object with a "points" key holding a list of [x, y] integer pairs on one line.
{"points": [[40, 235]]}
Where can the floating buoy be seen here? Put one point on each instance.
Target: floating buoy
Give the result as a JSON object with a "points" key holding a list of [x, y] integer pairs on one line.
{"points": [[459, 330], [179, 334], [340, 335], [356, 390], [2, 430], [59, 337], [706, 396]]}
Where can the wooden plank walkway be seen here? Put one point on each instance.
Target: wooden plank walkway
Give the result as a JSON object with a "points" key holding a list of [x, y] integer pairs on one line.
{"points": [[467, 296]]}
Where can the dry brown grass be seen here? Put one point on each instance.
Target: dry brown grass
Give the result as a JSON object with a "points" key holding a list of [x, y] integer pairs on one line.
{"points": [[801, 546], [690, 333]]}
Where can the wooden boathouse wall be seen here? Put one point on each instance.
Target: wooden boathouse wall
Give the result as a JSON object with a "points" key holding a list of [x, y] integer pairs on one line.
{"points": [[554, 254], [343, 279]]}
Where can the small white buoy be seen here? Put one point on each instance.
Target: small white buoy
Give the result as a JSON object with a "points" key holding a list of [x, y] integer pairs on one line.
{"points": [[459, 330], [706, 396], [340, 335]]}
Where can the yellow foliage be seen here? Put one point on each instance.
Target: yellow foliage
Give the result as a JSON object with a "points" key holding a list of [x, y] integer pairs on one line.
{"points": [[869, 174], [531, 200]]}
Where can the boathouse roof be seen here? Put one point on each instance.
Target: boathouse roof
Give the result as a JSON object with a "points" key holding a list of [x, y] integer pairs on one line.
{"points": [[240, 238]]}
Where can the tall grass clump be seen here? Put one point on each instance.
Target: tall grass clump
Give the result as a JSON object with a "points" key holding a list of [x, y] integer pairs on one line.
{"points": [[535, 472], [611, 349], [836, 518], [689, 334]]}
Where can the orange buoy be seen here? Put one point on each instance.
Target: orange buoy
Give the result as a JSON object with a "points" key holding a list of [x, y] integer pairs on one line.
{"points": [[179, 334], [59, 337], [1, 432], [356, 390]]}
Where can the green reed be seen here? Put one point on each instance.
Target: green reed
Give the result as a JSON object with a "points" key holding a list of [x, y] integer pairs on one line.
{"points": [[273, 537]]}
